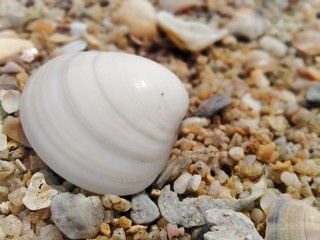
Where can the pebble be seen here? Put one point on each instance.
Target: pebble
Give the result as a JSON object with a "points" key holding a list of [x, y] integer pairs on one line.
{"points": [[50, 232], [254, 104], [105, 229], [194, 183], [8, 82], [143, 209], [78, 28], [3, 139], [180, 185], [6, 169], [10, 100], [11, 67], [11, 226], [115, 202], [228, 224], [257, 215], [236, 153], [174, 231], [119, 234], [266, 153], [211, 106], [39, 193], [274, 46], [313, 94], [290, 179], [189, 212], [139, 16], [13, 129], [260, 59], [77, 216], [125, 222], [16, 196], [10, 47], [246, 23]]}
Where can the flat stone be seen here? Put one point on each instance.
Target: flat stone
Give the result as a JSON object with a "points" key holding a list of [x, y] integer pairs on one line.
{"points": [[209, 107], [143, 209], [228, 224], [77, 216]]}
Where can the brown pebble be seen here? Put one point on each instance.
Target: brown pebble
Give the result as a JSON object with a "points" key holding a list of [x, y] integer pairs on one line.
{"points": [[105, 229], [125, 222], [265, 152], [13, 129], [44, 26]]}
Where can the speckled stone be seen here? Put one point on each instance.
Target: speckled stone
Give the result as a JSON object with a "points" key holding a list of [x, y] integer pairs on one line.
{"points": [[228, 224], [77, 216], [143, 209]]}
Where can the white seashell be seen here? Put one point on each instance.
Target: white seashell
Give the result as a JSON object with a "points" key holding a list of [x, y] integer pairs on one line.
{"points": [[104, 121], [291, 219], [189, 35]]}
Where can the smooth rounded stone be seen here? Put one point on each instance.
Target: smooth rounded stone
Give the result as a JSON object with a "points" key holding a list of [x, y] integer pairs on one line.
{"points": [[180, 185], [236, 153], [194, 183], [313, 94], [50, 232], [246, 23], [78, 28], [307, 42], [273, 45], [290, 179], [77, 216], [143, 209], [228, 224]]}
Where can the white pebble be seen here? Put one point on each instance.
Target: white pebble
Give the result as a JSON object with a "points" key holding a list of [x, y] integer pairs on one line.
{"points": [[10, 100], [16, 196], [194, 182], [290, 179], [11, 225], [204, 122], [181, 183], [257, 215], [236, 153], [251, 102], [274, 46], [78, 28]]}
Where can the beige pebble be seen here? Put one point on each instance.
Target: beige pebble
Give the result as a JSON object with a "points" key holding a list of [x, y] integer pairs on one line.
{"points": [[139, 16], [266, 152], [136, 228], [125, 222], [307, 42], [16, 196], [115, 202], [13, 129], [9, 47], [105, 229], [236, 153], [257, 215]]}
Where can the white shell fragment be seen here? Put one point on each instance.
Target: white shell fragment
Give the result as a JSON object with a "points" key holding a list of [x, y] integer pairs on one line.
{"points": [[10, 100], [291, 219], [39, 193], [104, 121], [189, 35]]}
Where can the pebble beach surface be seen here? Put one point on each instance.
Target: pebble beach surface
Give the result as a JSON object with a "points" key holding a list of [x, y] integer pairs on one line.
{"points": [[246, 164]]}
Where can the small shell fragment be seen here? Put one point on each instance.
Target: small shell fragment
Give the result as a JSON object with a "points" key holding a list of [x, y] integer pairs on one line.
{"points": [[39, 193], [291, 219], [10, 100], [189, 35], [13, 129]]}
